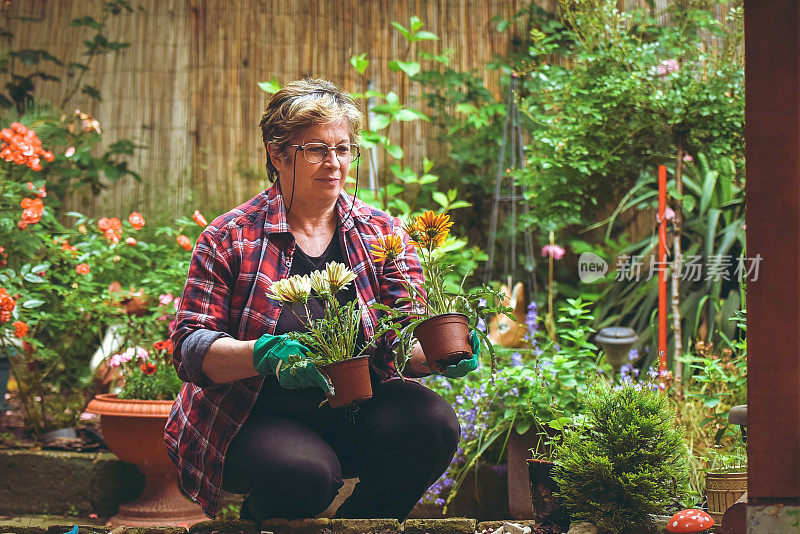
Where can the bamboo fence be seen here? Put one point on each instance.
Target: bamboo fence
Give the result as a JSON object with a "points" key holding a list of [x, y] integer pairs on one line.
{"points": [[186, 88]]}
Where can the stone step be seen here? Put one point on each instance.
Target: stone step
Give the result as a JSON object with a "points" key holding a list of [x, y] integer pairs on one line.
{"points": [[63, 525]]}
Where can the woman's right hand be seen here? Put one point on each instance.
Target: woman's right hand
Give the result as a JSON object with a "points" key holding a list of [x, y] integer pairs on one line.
{"points": [[271, 354]]}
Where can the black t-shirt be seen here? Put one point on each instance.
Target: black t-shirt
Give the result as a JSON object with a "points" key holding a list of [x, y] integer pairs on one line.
{"points": [[290, 317], [302, 264]]}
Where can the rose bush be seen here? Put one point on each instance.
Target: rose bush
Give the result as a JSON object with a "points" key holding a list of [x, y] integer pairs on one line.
{"points": [[62, 285]]}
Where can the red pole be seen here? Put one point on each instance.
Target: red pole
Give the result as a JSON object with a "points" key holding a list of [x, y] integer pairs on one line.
{"points": [[662, 268]]}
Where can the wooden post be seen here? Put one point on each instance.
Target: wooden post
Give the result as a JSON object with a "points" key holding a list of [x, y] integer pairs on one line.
{"points": [[772, 111]]}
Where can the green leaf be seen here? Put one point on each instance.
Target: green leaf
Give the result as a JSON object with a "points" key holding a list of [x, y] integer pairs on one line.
{"points": [[270, 87], [401, 29], [425, 36], [410, 115], [440, 198], [428, 179], [502, 25], [93, 92], [427, 165], [379, 122], [40, 267], [392, 98], [523, 426], [360, 63], [409, 67], [32, 303], [33, 278], [86, 21], [395, 151]]}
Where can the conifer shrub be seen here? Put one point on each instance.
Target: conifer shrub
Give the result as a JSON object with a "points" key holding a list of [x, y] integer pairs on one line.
{"points": [[624, 461]]}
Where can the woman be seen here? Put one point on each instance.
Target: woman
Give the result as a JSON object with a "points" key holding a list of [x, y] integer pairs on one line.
{"points": [[240, 424]]}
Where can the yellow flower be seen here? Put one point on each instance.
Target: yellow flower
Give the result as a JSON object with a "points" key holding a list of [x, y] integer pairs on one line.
{"points": [[387, 248], [295, 289], [338, 276], [433, 228], [319, 283], [414, 233]]}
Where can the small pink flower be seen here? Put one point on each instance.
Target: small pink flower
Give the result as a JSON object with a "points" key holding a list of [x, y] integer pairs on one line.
{"points": [[165, 299], [687, 158], [87, 416], [669, 215], [70, 152], [141, 353], [556, 251], [176, 303], [162, 318], [92, 516]]}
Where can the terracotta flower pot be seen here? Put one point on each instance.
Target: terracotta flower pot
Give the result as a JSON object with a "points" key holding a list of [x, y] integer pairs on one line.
{"points": [[134, 431], [350, 379], [444, 339], [547, 508]]}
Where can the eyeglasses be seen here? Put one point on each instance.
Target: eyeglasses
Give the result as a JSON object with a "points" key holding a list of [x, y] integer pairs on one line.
{"points": [[317, 152]]}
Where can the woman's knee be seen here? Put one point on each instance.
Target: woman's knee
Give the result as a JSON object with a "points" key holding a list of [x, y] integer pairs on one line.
{"points": [[420, 415], [305, 488]]}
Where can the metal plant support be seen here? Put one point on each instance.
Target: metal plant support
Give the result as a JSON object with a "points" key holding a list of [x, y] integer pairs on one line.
{"points": [[509, 196]]}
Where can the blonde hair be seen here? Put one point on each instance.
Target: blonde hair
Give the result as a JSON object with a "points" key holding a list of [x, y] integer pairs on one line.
{"points": [[301, 104]]}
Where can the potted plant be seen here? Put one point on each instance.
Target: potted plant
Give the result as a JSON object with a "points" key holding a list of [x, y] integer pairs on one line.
{"points": [[442, 314], [331, 340], [546, 503], [726, 478], [132, 420], [624, 461]]}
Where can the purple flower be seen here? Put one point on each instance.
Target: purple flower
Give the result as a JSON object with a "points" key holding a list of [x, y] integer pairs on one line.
{"points": [[516, 360], [531, 321], [633, 355]]}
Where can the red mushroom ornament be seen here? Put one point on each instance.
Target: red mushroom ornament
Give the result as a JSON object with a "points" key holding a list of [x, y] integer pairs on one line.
{"points": [[691, 520]]}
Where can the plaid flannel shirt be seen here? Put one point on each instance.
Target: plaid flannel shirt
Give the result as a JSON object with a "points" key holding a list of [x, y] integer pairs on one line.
{"points": [[235, 260]]}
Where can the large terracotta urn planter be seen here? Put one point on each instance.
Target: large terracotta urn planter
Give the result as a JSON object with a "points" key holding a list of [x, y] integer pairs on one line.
{"points": [[134, 431]]}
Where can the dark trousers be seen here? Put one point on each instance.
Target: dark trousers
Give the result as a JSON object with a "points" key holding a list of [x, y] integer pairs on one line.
{"points": [[291, 455]]}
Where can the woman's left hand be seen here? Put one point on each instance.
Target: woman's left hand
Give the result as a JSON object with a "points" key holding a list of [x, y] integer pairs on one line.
{"points": [[465, 366]]}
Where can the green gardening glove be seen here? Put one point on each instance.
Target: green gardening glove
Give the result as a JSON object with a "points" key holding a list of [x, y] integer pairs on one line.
{"points": [[465, 366], [271, 353]]}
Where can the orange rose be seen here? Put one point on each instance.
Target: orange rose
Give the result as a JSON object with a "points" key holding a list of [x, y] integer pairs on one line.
{"points": [[83, 268], [136, 220], [20, 329], [130, 241], [184, 242]]}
